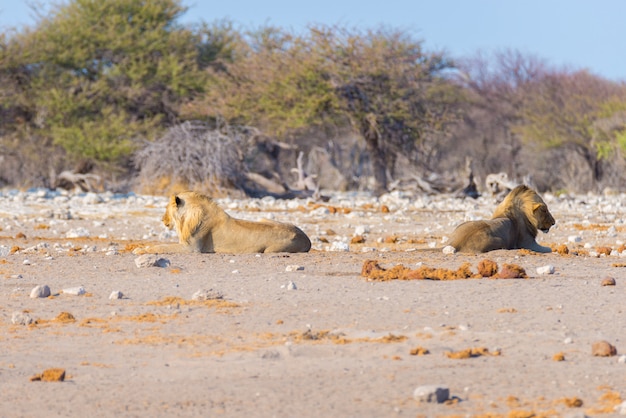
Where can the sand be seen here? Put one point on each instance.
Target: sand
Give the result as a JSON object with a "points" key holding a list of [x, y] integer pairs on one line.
{"points": [[306, 334]]}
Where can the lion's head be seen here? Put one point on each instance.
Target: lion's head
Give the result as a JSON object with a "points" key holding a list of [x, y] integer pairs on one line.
{"points": [[524, 204]]}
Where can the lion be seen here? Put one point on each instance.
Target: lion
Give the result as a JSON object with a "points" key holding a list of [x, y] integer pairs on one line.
{"points": [[203, 227], [514, 225]]}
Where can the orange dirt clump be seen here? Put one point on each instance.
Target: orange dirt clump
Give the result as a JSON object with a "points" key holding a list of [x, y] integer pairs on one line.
{"points": [[558, 357], [572, 402], [20, 235], [419, 351], [384, 209], [65, 317], [561, 249], [487, 268], [391, 240], [359, 239], [49, 375], [14, 249], [470, 352], [373, 271], [604, 250], [511, 271]]}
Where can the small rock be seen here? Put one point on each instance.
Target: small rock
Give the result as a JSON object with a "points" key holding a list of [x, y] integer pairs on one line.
{"points": [[449, 249], [74, 291], [574, 238], [26, 262], [294, 268], [608, 281], [151, 260], [549, 269], [116, 294], [622, 359], [431, 393], [21, 318], [603, 349], [4, 251], [291, 286], [568, 340], [42, 291], [209, 294]]}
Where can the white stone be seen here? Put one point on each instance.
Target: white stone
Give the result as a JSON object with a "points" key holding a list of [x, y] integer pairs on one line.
{"points": [[208, 294], [361, 229], [151, 260], [621, 408], [74, 291], [77, 233], [21, 318], [294, 267], [116, 294], [622, 359], [574, 238], [449, 249], [41, 291], [431, 393], [568, 340], [4, 250], [543, 270], [291, 286], [339, 246]]}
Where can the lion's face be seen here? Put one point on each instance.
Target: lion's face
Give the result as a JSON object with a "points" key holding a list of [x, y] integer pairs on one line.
{"points": [[170, 212], [540, 216]]}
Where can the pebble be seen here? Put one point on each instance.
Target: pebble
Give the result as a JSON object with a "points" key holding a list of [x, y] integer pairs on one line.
{"points": [[208, 294], [291, 286], [543, 270], [608, 281], [431, 393], [622, 359], [574, 238], [449, 249], [74, 291], [603, 349], [294, 268], [4, 250], [26, 262], [41, 291], [151, 260], [116, 294], [21, 318]]}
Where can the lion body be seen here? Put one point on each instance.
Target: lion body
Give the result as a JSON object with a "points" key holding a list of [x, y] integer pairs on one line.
{"points": [[203, 227], [514, 225]]}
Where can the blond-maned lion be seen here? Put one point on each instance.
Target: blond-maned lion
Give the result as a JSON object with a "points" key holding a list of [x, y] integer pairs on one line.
{"points": [[514, 225], [203, 227]]}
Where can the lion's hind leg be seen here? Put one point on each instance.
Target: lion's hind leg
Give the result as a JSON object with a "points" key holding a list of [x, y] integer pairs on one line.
{"points": [[164, 249]]}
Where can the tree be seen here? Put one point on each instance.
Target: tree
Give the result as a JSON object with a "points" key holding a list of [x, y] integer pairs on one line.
{"points": [[563, 109], [95, 75], [379, 82]]}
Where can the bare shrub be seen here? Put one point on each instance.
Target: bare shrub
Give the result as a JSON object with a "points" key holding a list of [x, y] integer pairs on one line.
{"points": [[193, 155]]}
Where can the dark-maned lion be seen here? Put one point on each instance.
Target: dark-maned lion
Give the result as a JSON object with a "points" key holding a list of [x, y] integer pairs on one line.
{"points": [[514, 225], [203, 227]]}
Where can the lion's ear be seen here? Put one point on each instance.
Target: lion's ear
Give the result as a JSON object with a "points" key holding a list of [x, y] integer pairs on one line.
{"points": [[536, 206], [178, 201]]}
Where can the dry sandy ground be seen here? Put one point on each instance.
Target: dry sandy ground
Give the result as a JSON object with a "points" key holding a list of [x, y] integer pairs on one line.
{"points": [[336, 345]]}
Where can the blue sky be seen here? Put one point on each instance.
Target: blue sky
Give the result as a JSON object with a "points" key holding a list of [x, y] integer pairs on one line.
{"points": [[576, 34]]}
